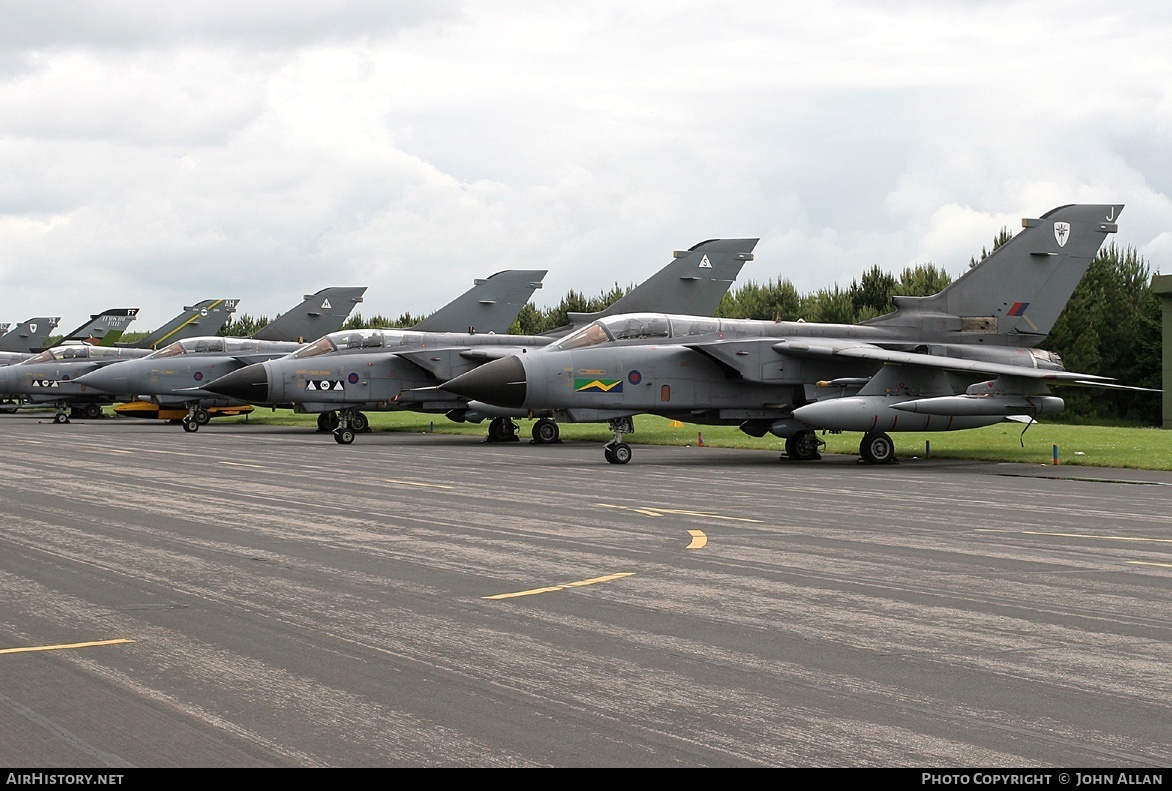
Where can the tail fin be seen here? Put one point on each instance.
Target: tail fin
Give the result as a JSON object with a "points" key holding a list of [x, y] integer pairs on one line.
{"points": [[203, 318], [692, 284], [29, 336], [103, 329], [319, 314], [491, 305], [1015, 295]]}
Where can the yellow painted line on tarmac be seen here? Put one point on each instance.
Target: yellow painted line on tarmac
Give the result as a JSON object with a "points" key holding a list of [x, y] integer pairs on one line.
{"points": [[698, 539], [553, 588], [1149, 563], [1075, 535], [425, 485], [60, 647], [647, 511]]}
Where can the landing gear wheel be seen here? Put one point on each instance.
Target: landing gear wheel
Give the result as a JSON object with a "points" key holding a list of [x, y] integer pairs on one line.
{"points": [[546, 432], [92, 411], [803, 446], [359, 422], [617, 453], [327, 421], [190, 426], [877, 449], [501, 429], [202, 417], [344, 436], [61, 417]]}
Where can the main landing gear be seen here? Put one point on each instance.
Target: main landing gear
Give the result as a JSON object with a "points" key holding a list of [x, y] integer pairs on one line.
{"points": [[350, 422], [546, 432], [502, 429], [877, 448], [616, 451], [196, 416], [803, 446], [65, 412]]}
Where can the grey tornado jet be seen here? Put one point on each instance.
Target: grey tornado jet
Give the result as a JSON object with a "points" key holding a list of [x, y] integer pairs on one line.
{"points": [[164, 384], [959, 359], [47, 378], [388, 370]]}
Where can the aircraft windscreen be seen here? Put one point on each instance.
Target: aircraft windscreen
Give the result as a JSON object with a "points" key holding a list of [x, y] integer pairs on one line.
{"points": [[170, 350], [43, 357], [319, 347], [590, 335]]}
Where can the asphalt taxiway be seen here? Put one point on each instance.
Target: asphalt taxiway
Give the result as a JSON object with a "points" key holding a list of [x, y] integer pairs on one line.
{"points": [[255, 596]]}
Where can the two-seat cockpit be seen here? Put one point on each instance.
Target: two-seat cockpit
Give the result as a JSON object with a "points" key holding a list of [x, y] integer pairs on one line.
{"points": [[637, 326]]}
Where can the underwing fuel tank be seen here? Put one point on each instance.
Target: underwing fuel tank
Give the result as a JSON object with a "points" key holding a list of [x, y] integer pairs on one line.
{"points": [[883, 413], [984, 405]]}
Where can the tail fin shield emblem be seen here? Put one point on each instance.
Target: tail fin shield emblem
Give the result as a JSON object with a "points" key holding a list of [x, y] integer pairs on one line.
{"points": [[705, 263], [1061, 232]]}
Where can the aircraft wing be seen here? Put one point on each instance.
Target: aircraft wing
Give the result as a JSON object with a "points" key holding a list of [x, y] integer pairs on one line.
{"points": [[743, 358], [866, 351]]}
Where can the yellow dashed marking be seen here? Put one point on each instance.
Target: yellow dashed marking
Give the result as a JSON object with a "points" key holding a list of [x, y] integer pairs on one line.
{"points": [[553, 588], [698, 539], [59, 647], [676, 511]]}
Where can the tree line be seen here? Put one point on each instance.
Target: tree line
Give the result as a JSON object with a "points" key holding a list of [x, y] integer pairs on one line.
{"points": [[1110, 326]]}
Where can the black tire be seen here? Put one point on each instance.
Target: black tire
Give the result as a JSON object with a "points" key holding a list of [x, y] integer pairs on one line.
{"points": [[620, 453], [344, 436], [93, 411], [359, 422], [877, 448], [546, 432], [501, 429], [190, 426], [202, 417], [327, 421], [803, 446], [61, 417]]}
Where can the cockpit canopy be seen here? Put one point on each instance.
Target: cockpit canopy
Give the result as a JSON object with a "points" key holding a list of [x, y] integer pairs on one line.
{"points": [[75, 351], [209, 345], [348, 340], [637, 326]]}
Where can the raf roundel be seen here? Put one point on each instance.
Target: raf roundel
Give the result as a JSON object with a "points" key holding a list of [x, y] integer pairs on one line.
{"points": [[198, 376], [634, 377], [353, 378]]}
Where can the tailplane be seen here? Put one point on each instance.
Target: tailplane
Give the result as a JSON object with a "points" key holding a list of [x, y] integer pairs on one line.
{"points": [[203, 318], [318, 314], [1015, 295], [490, 306], [29, 336], [103, 329], [693, 283]]}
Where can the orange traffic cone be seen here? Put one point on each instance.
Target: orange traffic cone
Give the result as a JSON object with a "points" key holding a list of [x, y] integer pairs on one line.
{"points": [[699, 439]]}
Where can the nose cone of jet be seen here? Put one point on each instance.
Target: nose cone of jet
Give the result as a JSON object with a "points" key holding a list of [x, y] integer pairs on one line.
{"points": [[500, 382], [249, 384], [110, 379]]}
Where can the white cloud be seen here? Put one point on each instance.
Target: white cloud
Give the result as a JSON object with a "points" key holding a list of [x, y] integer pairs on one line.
{"points": [[154, 155]]}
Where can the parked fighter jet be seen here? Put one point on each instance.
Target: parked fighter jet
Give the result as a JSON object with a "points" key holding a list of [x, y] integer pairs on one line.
{"points": [[962, 358], [29, 336], [50, 377], [164, 384], [351, 371], [490, 306]]}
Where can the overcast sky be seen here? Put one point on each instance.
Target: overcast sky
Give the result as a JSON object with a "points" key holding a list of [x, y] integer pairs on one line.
{"points": [[155, 154]]}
